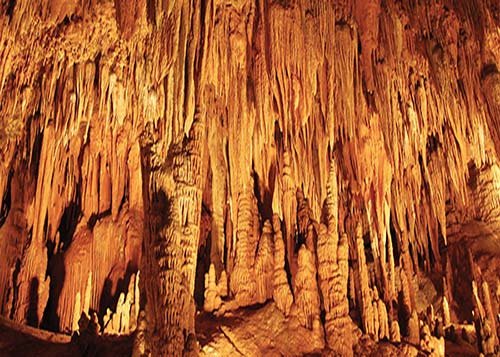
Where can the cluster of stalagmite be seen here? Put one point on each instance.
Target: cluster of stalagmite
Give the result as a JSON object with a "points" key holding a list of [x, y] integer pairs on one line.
{"points": [[433, 346], [124, 318], [214, 292]]}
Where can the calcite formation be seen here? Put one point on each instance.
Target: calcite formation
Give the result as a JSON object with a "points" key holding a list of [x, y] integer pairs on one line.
{"points": [[123, 318], [264, 264], [306, 305], [339, 159], [282, 294], [212, 299]]}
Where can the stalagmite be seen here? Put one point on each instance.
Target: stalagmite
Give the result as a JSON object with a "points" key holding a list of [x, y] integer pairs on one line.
{"points": [[76, 312], [446, 312], [395, 332], [264, 265], [139, 344], [382, 317], [487, 336], [212, 298], [364, 291], [489, 310], [242, 280], [282, 294], [108, 322], [289, 204], [172, 266], [306, 305], [303, 213], [337, 319], [116, 322], [431, 345], [405, 291], [376, 319], [414, 329], [125, 315], [222, 284], [88, 292], [333, 272], [133, 296]]}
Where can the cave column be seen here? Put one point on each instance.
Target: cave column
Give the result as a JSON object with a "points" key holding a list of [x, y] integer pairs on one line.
{"points": [[172, 249]]}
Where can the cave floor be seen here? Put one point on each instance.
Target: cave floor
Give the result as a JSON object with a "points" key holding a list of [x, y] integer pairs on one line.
{"points": [[254, 331]]}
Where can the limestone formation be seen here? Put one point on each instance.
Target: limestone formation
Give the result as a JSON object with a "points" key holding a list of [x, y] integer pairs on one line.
{"points": [[395, 332], [289, 204], [306, 305], [212, 299], [487, 336], [414, 329], [222, 285], [162, 136], [264, 264], [76, 312], [383, 319], [364, 291], [282, 295], [431, 345], [242, 280], [333, 272], [376, 319], [490, 315], [88, 292], [122, 320], [405, 291], [446, 312], [139, 344]]}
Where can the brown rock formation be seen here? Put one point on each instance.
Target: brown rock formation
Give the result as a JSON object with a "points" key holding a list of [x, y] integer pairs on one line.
{"points": [[306, 305], [264, 264], [282, 295], [367, 131]]}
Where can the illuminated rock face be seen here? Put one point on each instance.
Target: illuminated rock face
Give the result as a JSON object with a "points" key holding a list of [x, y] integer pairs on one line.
{"points": [[367, 132]]}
